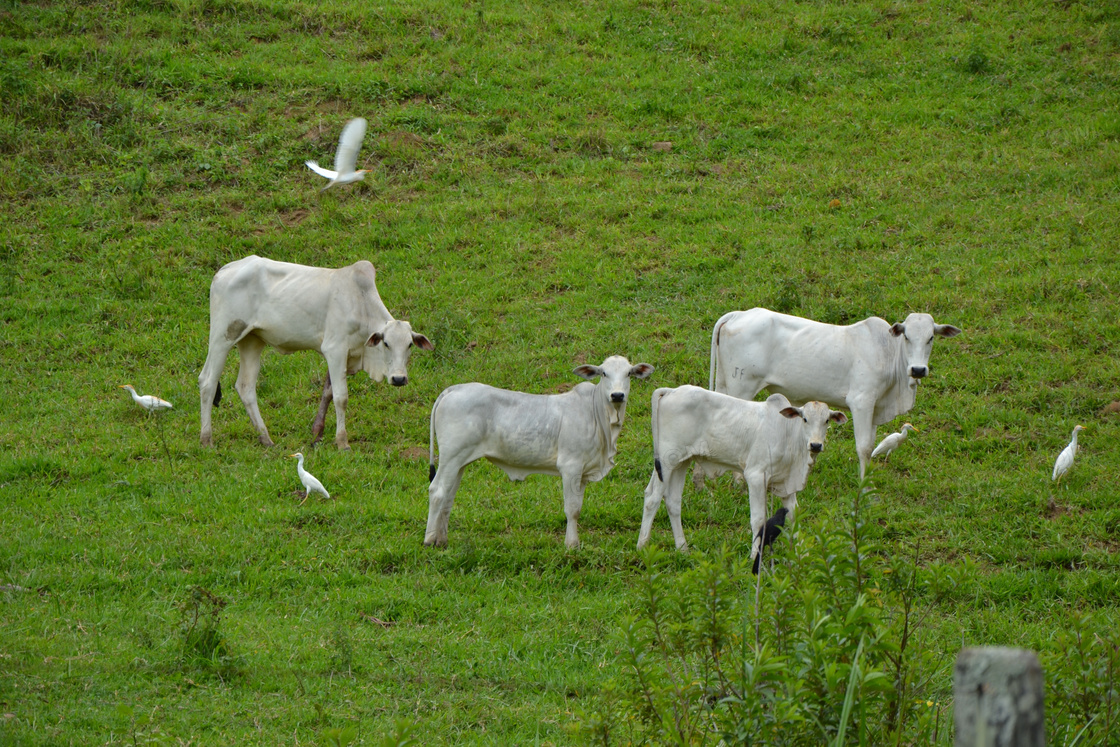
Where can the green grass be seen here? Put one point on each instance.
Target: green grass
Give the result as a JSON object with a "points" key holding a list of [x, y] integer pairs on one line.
{"points": [[519, 216]]}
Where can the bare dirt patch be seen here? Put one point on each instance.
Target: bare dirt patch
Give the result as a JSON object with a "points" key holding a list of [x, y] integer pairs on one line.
{"points": [[414, 453]]}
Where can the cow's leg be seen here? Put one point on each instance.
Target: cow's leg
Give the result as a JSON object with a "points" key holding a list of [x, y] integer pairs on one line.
{"points": [[674, 492], [441, 496], [336, 370], [208, 384], [789, 503], [699, 474], [756, 490], [655, 491], [250, 349], [863, 426], [573, 503], [321, 416]]}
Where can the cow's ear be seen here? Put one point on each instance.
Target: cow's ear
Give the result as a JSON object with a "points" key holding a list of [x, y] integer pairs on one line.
{"points": [[641, 371], [422, 342], [837, 417], [588, 371], [898, 328], [946, 330], [790, 412], [375, 339]]}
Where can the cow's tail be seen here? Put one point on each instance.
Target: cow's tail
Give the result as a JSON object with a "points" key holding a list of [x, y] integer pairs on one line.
{"points": [[432, 439], [218, 394], [714, 362], [654, 409]]}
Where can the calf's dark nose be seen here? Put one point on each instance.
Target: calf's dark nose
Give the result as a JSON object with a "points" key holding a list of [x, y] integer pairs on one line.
{"points": [[816, 447], [398, 380], [918, 372], [618, 397]]}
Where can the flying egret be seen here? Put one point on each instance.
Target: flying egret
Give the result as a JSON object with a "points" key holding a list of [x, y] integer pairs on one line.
{"points": [[1065, 459], [346, 157], [892, 442], [149, 402], [310, 483], [769, 533]]}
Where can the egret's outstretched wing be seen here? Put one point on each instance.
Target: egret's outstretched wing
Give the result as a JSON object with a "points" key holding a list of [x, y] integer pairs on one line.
{"points": [[321, 171], [346, 158]]}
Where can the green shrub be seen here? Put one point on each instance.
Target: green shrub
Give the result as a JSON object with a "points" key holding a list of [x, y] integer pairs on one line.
{"points": [[819, 650]]}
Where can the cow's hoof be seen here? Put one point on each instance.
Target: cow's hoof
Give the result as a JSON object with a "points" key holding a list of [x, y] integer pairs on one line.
{"points": [[435, 543], [266, 441]]}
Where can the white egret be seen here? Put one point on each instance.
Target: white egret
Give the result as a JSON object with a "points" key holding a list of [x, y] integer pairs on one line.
{"points": [[149, 402], [892, 442], [310, 483], [346, 157], [1065, 459]]}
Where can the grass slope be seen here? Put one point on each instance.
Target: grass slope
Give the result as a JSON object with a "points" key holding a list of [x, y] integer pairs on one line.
{"points": [[828, 160]]}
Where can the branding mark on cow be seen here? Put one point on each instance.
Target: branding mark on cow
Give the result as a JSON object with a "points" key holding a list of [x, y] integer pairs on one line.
{"points": [[234, 330]]}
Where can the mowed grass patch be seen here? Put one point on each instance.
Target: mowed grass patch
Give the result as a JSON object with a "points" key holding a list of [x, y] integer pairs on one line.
{"points": [[828, 161]]}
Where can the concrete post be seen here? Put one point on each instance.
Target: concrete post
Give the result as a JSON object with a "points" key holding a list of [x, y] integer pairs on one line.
{"points": [[998, 694]]}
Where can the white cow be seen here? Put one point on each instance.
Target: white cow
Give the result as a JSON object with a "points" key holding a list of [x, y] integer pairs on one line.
{"points": [[257, 302], [871, 367], [573, 435], [772, 443]]}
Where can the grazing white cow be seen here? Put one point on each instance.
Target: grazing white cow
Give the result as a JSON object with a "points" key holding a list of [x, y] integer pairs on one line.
{"points": [[257, 303], [573, 435], [870, 367], [772, 443]]}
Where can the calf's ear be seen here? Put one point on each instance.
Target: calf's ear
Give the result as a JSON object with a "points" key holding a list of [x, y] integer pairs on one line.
{"points": [[790, 412], [898, 328], [641, 371], [588, 371], [374, 339], [946, 330], [422, 342], [837, 417]]}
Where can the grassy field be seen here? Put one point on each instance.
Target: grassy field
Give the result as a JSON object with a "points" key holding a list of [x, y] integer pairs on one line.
{"points": [[832, 160]]}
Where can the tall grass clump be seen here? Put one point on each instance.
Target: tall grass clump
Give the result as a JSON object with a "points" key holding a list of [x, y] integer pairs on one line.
{"points": [[823, 647], [819, 649], [204, 643]]}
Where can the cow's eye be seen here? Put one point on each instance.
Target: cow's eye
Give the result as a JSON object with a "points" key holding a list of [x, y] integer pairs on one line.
{"points": [[930, 341]]}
